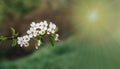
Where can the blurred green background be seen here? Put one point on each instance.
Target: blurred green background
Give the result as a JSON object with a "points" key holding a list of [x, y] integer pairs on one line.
{"points": [[89, 34]]}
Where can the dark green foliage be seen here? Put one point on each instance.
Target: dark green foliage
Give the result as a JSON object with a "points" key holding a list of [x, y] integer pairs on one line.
{"points": [[11, 8], [71, 54], [52, 41], [41, 39], [62, 50]]}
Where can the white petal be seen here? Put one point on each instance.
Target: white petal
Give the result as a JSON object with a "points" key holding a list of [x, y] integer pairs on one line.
{"points": [[50, 25], [32, 24], [21, 45], [30, 35], [49, 30], [39, 43], [41, 27], [54, 26], [36, 47], [37, 25], [26, 44], [53, 31], [41, 23], [48, 33], [19, 42], [45, 23], [45, 28], [28, 32], [35, 34], [57, 35]]}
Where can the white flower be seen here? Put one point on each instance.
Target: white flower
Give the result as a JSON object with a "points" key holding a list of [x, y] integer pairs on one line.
{"points": [[23, 41], [20, 41], [26, 38], [56, 37], [43, 25], [38, 32], [35, 30], [26, 44], [51, 28], [32, 32], [37, 25]]}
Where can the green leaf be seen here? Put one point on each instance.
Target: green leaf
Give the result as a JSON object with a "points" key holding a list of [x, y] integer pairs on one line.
{"points": [[2, 38], [14, 43], [14, 34], [56, 30], [41, 39], [52, 41], [12, 31]]}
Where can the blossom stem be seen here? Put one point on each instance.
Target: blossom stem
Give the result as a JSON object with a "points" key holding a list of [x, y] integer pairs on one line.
{"points": [[10, 38]]}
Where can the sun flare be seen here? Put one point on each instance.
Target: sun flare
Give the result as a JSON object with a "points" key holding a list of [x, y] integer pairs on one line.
{"points": [[92, 16], [94, 19]]}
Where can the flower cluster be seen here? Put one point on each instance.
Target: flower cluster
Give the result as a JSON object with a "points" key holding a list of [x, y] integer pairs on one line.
{"points": [[37, 31]]}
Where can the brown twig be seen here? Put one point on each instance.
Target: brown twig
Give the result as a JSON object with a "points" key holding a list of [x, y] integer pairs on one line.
{"points": [[11, 38]]}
